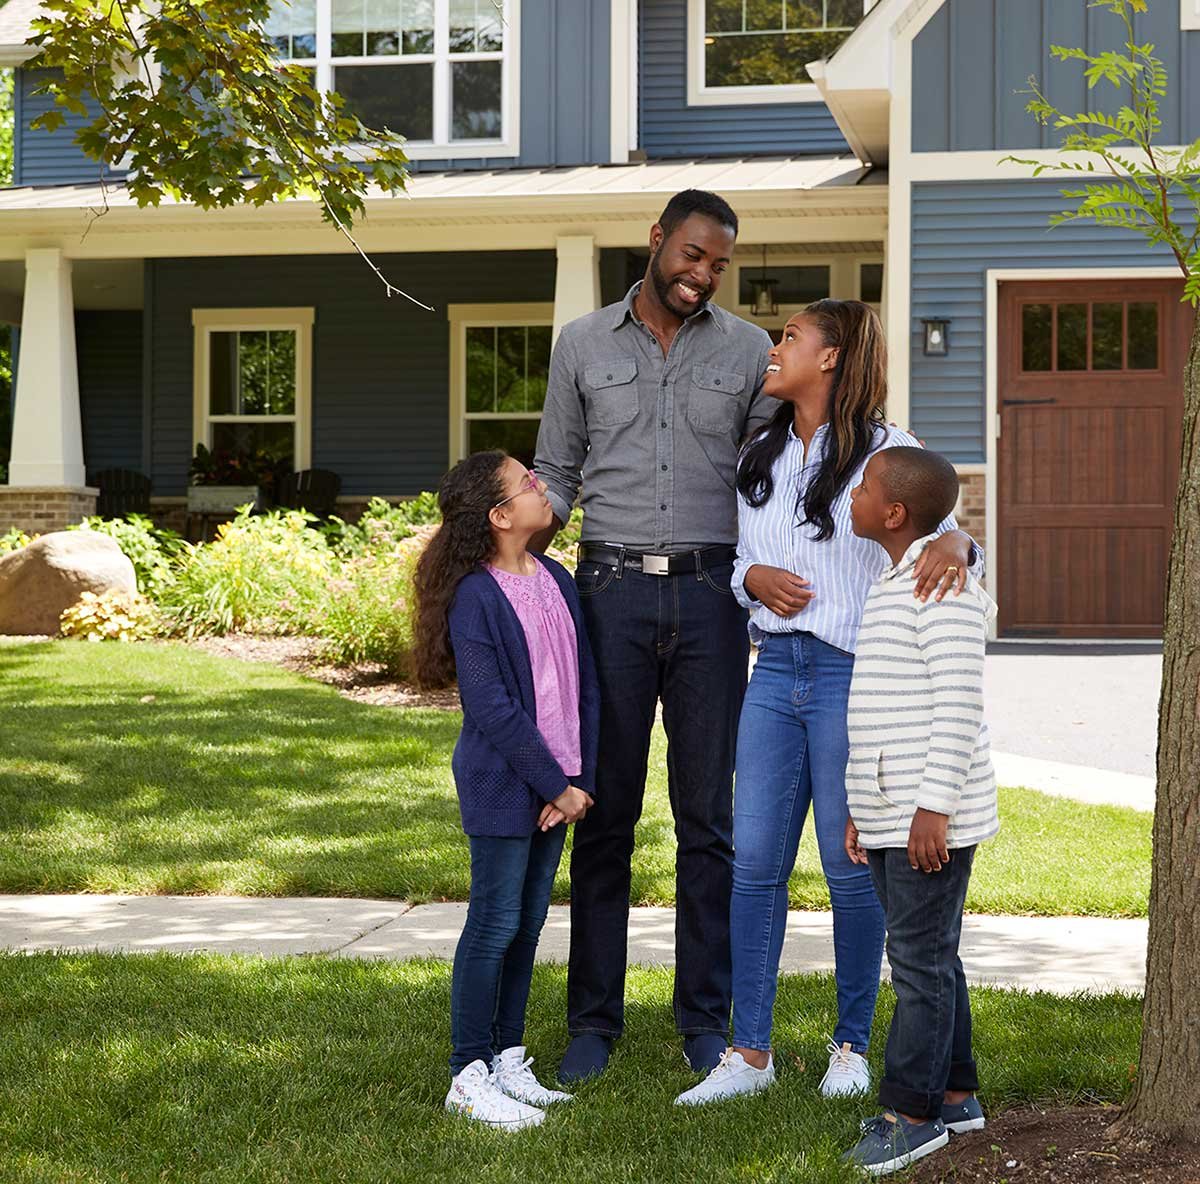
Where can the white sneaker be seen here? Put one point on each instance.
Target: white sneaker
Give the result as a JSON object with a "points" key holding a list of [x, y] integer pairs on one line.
{"points": [[513, 1077], [473, 1095], [847, 1075], [732, 1076]]}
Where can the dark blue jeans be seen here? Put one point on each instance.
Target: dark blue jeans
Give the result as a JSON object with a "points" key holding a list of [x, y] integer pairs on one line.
{"points": [[511, 881], [929, 1045], [792, 751], [682, 639]]}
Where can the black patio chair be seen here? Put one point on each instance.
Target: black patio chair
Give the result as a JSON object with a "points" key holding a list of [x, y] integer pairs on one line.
{"points": [[122, 492], [314, 490]]}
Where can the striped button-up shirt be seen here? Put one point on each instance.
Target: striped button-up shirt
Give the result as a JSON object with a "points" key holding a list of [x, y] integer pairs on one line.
{"points": [[917, 736], [840, 570]]}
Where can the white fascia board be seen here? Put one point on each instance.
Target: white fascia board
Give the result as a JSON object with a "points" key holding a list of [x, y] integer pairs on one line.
{"points": [[12, 56]]}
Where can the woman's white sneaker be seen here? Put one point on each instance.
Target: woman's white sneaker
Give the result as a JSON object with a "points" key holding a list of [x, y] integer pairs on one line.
{"points": [[473, 1095], [732, 1076], [512, 1076], [848, 1074]]}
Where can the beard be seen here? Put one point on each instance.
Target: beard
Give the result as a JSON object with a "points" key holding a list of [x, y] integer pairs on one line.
{"points": [[664, 289]]}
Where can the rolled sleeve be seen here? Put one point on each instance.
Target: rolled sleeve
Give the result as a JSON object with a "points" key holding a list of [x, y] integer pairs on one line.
{"points": [[562, 441]]}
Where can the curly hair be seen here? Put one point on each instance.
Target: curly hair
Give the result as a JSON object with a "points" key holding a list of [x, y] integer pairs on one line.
{"points": [[856, 403], [461, 544]]}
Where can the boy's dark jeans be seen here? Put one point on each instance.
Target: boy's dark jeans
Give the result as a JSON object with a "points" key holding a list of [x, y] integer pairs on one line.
{"points": [[929, 1045], [681, 638]]}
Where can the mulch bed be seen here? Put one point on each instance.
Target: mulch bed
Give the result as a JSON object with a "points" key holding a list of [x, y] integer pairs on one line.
{"points": [[1033, 1146], [365, 682]]}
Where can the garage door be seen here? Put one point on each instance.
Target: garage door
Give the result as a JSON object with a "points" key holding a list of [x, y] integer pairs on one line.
{"points": [[1090, 398]]}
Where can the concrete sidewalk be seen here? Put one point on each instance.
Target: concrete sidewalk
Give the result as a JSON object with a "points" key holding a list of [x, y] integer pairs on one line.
{"points": [[1058, 954]]}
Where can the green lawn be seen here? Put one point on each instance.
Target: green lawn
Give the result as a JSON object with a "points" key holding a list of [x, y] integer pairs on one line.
{"points": [[157, 769], [212, 1069]]}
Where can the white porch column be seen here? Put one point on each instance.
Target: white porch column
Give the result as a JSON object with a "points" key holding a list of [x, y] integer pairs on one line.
{"points": [[47, 440], [577, 282]]}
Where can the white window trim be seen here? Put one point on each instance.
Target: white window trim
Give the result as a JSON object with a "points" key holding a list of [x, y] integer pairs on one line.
{"points": [[471, 316], [206, 321], [1189, 14], [700, 95], [441, 147]]}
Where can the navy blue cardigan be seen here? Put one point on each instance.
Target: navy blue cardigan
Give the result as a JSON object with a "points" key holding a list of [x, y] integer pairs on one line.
{"points": [[503, 770]]}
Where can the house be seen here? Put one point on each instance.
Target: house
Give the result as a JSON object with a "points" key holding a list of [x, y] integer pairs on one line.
{"points": [[861, 147]]}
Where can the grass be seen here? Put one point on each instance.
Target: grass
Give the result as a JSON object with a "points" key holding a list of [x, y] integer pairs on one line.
{"points": [[213, 1069], [157, 769]]}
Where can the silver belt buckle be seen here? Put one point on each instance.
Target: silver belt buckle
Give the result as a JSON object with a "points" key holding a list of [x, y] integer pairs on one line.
{"points": [[656, 565]]}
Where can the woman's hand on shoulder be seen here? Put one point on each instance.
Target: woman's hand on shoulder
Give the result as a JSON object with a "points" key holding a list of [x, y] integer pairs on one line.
{"points": [[782, 591]]}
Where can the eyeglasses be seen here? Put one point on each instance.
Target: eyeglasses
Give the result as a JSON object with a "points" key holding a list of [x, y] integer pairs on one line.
{"points": [[530, 486]]}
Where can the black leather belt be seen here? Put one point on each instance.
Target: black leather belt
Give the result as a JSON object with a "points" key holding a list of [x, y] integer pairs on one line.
{"points": [[649, 564]]}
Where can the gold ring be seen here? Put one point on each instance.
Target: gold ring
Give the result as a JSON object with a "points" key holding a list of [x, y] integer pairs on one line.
{"points": [[953, 569]]}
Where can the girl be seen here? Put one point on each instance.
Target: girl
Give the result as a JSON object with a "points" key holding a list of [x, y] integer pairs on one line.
{"points": [[508, 622], [805, 575]]}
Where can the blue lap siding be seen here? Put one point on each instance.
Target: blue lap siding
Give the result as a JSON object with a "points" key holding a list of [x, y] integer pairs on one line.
{"points": [[960, 230], [381, 368]]}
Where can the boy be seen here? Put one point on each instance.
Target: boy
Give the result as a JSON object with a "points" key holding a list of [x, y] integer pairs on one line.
{"points": [[922, 794]]}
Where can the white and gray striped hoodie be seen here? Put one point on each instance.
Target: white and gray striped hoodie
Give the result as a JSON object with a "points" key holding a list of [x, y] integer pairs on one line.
{"points": [[917, 736]]}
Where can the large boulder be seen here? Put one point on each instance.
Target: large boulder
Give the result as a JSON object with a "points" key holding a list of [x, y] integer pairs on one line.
{"points": [[41, 580]]}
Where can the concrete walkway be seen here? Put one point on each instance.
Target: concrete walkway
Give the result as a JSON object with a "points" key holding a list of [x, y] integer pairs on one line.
{"points": [[1058, 954]]}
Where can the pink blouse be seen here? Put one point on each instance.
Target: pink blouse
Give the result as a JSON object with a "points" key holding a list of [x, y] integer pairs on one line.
{"points": [[554, 655]]}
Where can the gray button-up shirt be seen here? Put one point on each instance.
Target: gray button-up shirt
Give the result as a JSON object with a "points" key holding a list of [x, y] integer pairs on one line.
{"points": [[653, 440]]}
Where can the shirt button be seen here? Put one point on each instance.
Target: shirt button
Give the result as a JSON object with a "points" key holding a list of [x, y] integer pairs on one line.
{"points": [[662, 423], [608, 378], [716, 381], [663, 506], [664, 468]]}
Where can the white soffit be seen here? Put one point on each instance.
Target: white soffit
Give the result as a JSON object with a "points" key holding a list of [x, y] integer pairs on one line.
{"points": [[15, 29]]}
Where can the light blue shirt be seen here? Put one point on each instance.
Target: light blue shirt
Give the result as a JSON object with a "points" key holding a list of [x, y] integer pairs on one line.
{"points": [[841, 570]]}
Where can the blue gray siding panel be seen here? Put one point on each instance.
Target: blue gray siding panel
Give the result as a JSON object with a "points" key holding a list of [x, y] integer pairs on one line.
{"points": [[973, 60], [47, 158], [960, 230], [381, 368], [108, 348], [669, 127]]}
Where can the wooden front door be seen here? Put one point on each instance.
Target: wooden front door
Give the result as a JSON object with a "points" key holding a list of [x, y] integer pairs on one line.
{"points": [[1090, 397]]}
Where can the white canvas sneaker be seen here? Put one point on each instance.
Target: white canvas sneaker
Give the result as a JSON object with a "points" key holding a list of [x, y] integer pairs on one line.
{"points": [[513, 1077], [732, 1076], [847, 1075], [473, 1095]]}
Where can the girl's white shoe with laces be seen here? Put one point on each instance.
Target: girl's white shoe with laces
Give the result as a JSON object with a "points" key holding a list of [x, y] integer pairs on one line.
{"points": [[848, 1074], [512, 1076], [474, 1095], [732, 1076]]}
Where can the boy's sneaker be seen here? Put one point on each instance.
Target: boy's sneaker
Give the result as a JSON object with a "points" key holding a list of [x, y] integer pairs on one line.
{"points": [[888, 1146], [732, 1076], [848, 1074], [512, 1076], [966, 1116], [473, 1095]]}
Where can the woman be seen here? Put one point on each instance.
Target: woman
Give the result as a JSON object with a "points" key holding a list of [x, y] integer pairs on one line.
{"points": [[805, 575]]}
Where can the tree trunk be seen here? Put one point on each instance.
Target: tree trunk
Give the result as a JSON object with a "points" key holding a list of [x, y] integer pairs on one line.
{"points": [[1166, 1096]]}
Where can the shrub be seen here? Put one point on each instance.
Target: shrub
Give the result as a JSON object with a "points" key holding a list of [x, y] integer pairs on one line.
{"points": [[14, 539], [266, 573], [110, 616], [382, 524], [150, 548]]}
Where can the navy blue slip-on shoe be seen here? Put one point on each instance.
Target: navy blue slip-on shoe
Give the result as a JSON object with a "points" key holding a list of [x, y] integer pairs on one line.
{"points": [[703, 1051], [966, 1116], [586, 1056], [886, 1146]]}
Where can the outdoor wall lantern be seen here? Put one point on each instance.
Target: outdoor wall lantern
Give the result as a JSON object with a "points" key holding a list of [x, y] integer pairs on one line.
{"points": [[764, 303], [937, 337]]}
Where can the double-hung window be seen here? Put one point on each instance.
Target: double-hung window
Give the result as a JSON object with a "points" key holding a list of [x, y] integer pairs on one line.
{"points": [[757, 51], [442, 73]]}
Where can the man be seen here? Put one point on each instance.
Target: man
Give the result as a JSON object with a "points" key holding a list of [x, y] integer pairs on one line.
{"points": [[647, 403]]}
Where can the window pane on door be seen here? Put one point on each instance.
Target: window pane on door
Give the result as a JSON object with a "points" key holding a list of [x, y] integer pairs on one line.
{"points": [[476, 113], [399, 98], [1072, 336], [1107, 333], [1143, 336], [1036, 330]]}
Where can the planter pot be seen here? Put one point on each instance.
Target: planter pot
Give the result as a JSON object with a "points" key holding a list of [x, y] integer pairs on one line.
{"points": [[221, 499]]}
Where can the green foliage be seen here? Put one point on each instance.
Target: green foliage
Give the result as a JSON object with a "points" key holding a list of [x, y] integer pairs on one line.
{"points": [[110, 616], [1138, 183], [148, 547], [6, 126], [382, 524], [14, 539], [195, 96], [265, 573]]}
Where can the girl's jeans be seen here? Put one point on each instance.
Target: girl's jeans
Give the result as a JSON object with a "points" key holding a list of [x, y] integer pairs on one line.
{"points": [[791, 753], [511, 881]]}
